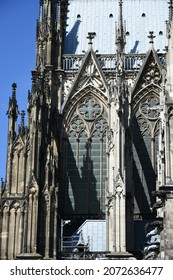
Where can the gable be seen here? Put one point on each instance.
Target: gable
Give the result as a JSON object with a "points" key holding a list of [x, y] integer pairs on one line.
{"points": [[148, 79], [89, 77]]}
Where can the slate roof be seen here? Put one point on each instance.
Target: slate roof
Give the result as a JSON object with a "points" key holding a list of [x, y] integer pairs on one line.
{"points": [[141, 16]]}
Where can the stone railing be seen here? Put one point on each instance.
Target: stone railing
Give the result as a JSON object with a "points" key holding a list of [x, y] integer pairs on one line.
{"points": [[132, 62], [72, 62]]}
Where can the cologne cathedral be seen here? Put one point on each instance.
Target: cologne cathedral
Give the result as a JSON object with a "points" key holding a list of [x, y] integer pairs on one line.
{"points": [[91, 172]]}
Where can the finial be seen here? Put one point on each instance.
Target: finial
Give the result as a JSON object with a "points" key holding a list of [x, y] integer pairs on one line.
{"points": [[90, 37], [151, 37], [120, 28], [14, 86], [120, 19], [120, 15]]}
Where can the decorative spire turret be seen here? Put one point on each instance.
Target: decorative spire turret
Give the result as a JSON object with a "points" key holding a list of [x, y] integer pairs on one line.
{"points": [[22, 125], [120, 30], [50, 30], [59, 34], [120, 40], [46, 29], [12, 113]]}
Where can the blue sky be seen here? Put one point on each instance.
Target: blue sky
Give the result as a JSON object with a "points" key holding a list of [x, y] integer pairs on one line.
{"points": [[17, 59]]}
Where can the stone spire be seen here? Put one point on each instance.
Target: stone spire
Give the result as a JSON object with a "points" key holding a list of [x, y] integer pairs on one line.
{"points": [[59, 35], [46, 29], [21, 129], [169, 50], [120, 30], [120, 41], [12, 113]]}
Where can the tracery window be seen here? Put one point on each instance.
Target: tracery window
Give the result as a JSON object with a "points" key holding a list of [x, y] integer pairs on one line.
{"points": [[84, 148], [146, 124]]}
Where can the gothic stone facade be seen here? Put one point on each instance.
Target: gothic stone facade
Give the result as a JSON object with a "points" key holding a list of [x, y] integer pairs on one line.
{"points": [[98, 143]]}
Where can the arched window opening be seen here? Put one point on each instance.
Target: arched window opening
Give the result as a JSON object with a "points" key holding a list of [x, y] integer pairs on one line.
{"points": [[145, 147], [84, 171]]}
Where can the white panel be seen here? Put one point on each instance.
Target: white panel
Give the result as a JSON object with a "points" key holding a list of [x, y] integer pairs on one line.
{"points": [[95, 232]]}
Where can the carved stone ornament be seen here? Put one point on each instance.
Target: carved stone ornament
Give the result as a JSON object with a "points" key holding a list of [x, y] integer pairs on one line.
{"points": [[33, 186], [76, 127], [90, 108], [14, 206], [152, 74], [113, 92], [150, 108], [5, 206], [144, 126], [90, 76], [46, 193], [109, 197], [109, 203], [89, 118], [118, 185], [110, 138], [101, 127]]}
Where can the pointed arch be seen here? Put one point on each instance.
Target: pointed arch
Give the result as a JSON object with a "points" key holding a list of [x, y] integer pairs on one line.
{"points": [[79, 95], [89, 74], [143, 94], [17, 162], [84, 153], [150, 74], [4, 232], [14, 229], [145, 125]]}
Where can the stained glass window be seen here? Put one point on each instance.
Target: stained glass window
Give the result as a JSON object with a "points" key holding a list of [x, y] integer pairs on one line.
{"points": [[85, 154]]}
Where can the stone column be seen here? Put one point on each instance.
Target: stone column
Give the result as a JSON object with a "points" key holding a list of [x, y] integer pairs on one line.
{"points": [[166, 245], [47, 229], [118, 221], [4, 232]]}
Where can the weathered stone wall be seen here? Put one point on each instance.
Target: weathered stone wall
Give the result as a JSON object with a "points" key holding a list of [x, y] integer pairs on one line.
{"points": [[166, 245]]}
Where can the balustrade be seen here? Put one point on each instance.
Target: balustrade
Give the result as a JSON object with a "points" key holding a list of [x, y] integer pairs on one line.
{"points": [[132, 62]]}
